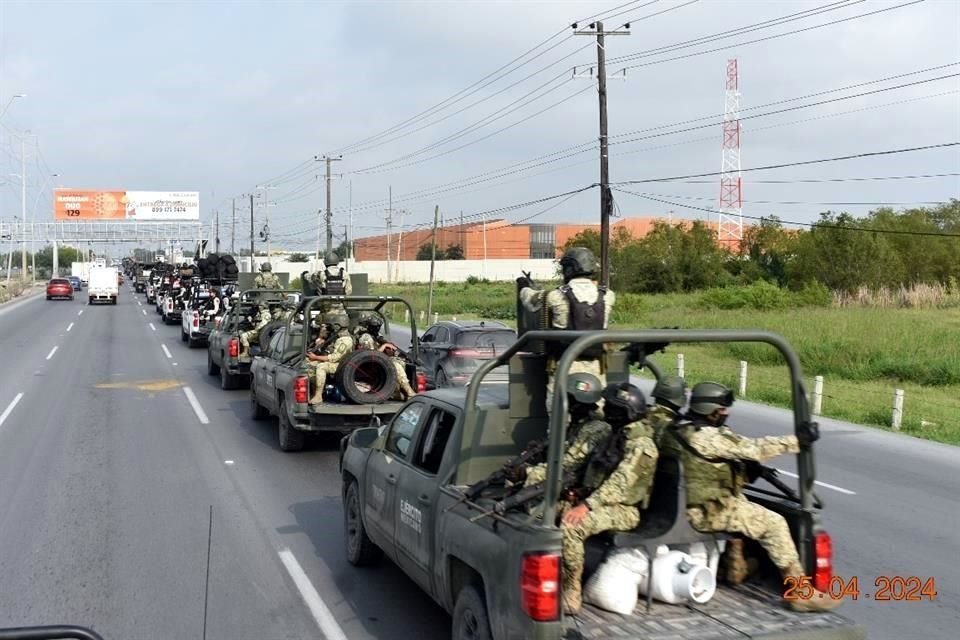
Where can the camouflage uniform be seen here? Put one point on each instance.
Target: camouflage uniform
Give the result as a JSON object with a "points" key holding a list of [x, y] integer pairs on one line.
{"points": [[404, 390], [585, 290], [660, 418], [319, 370], [714, 498], [589, 435], [614, 506], [263, 319], [266, 280]]}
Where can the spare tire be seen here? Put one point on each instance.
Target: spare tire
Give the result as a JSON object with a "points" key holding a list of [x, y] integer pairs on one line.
{"points": [[366, 377], [227, 259], [266, 334]]}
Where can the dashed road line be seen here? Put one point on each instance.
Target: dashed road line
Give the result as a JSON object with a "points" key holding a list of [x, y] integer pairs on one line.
{"points": [[153, 327], [197, 409], [10, 407], [822, 484], [69, 326], [80, 313], [144, 311], [52, 351], [166, 351], [321, 612]]}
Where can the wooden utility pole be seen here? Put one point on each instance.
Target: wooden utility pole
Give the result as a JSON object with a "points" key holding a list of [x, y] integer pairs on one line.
{"points": [[433, 259], [329, 217]]}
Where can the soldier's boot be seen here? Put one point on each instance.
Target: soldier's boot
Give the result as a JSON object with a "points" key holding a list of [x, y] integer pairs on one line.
{"points": [[407, 390], [572, 594], [818, 600], [735, 565]]}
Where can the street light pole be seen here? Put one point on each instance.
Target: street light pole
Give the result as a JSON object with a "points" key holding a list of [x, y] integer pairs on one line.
{"points": [[23, 202], [10, 102]]}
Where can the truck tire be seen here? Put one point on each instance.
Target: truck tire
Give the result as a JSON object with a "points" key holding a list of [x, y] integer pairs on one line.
{"points": [[367, 377], [266, 334], [290, 438], [212, 367], [361, 551], [470, 618], [257, 412], [183, 335], [227, 381]]}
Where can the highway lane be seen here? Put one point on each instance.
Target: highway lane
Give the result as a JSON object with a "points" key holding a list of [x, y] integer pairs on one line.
{"points": [[892, 509]]}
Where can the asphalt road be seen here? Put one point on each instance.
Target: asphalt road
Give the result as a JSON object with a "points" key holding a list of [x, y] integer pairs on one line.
{"points": [[116, 447]]}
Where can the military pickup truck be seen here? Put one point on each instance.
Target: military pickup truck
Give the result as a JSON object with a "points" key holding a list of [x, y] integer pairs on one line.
{"points": [[362, 386], [498, 571], [223, 341], [198, 315]]}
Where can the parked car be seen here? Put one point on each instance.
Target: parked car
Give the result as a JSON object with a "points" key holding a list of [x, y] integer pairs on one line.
{"points": [[75, 281], [59, 288], [450, 351]]}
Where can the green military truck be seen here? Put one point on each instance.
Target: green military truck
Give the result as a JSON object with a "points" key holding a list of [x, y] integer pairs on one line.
{"points": [[362, 386], [498, 571], [223, 341]]}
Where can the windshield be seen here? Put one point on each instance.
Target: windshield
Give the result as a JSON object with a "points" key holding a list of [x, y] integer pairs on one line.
{"points": [[486, 339]]}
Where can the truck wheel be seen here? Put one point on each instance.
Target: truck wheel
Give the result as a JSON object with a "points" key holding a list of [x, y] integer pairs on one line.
{"points": [[226, 380], [361, 551], [257, 412], [470, 619], [212, 368], [440, 380], [367, 377], [290, 438], [183, 335]]}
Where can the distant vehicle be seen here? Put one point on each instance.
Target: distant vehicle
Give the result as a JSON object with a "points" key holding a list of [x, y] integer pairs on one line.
{"points": [[198, 317], [103, 285], [452, 350], [119, 278], [81, 270], [76, 282], [59, 288]]}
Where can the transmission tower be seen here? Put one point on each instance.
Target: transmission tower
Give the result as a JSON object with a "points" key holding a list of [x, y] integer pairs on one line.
{"points": [[730, 216]]}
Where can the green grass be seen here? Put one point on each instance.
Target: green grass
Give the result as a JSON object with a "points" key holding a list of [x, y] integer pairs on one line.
{"points": [[862, 353]]}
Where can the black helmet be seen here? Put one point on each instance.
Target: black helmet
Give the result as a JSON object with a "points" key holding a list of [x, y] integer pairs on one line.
{"points": [[707, 397], [331, 259], [671, 391], [373, 323], [577, 262], [265, 267], [584, 388], [624, 399]]}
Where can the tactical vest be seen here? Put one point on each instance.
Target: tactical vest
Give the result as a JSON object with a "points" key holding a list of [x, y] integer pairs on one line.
{"points": [[582, 316], [335, 284], [707, 478]]}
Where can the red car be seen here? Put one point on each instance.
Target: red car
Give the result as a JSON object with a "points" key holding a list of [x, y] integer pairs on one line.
{"points": [[59, 288]]}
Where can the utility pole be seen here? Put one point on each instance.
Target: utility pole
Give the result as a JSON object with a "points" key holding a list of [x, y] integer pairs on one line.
{"points": [[606, 197], [396, 267], [216, 237], [329, 212], [433, 259], [389, 219], [252, 265], [233, 230], [23, 202]]}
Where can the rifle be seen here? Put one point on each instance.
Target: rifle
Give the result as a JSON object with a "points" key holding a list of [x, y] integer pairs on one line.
{"points": [[531, 455], [570, 490], [637, 352]]}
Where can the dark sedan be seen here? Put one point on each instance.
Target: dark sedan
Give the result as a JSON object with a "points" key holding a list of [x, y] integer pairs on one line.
{"points": [[59, 288], [451, 351]]}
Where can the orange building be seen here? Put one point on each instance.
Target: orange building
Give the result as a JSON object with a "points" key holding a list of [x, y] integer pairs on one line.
{"points": [[495, 239]]}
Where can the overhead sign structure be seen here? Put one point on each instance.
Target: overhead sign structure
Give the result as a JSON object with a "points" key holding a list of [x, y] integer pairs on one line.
{"points": [[84, 204]]}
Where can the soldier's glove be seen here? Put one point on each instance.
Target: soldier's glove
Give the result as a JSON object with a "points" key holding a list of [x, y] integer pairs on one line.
{"points": [[808, 433], [523, 282], [515, 473], [753, 470]]}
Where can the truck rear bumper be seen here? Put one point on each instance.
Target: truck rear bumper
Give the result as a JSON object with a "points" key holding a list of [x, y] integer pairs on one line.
{"points": [[343, 418]]}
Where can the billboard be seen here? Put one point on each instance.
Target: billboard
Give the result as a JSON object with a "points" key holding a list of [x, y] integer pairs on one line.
{"points": [[85, 204]]}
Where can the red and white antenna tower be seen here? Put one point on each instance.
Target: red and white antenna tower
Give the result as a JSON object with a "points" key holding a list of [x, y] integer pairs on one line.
{"points": [[730, 217]]}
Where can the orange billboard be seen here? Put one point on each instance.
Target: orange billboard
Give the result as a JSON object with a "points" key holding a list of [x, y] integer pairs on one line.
{"points": [[89, 205]]}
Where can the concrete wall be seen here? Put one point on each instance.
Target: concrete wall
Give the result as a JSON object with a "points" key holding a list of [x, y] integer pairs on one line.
{"points": [[419, 270]]}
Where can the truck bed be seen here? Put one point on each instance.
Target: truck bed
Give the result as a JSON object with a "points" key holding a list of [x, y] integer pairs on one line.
{"points": [[734, 612]]}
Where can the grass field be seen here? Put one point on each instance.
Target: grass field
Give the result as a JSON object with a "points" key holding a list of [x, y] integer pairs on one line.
{"points": [[862, 353]]}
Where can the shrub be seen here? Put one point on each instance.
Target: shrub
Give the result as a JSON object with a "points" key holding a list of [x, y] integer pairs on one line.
{"points": [[813, 294]]}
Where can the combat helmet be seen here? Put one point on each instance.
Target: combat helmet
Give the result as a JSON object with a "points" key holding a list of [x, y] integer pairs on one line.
{"points": [[266, 268], [331, 259], [584, 388], [707, 397], [671, 391], [337, 319], [624, 399], [577, 262]]}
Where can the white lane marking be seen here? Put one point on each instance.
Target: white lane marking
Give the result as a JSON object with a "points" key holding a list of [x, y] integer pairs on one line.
{"points": [[197, 409], [174, 364], [228, 462], [166, 351], [70, 326], [822, 484], [321, 613], [80, 313], [153, 327], [144, 311], [52, 351], [6, 412]]}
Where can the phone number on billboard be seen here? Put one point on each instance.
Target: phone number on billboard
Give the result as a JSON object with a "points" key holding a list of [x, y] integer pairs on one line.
{"points": [[168, 210]]}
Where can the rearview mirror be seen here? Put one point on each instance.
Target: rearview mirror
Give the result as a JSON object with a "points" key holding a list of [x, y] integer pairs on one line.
{"points": [[363, 438]]}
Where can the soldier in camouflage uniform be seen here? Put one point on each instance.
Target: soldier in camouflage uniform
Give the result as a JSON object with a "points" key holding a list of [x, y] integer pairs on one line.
{"points": [[670, 396], [368, 337], [247, 337], [320, 366], [713, 457], [578, 305], [616, 502], [266, 279]]}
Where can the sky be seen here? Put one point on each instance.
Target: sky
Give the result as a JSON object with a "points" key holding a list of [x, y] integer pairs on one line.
{"points": [[223, 97]]}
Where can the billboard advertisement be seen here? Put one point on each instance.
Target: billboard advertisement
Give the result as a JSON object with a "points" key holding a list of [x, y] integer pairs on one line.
{"points": [[86, 204]]}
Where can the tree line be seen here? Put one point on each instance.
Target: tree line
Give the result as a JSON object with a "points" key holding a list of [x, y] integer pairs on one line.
{"points": [[841, 252]]}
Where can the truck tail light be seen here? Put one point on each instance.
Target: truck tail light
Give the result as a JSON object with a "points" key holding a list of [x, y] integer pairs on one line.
{"points": [[469, 353], [196, 321], [233, 348], [823, 561], [540, 586], [300, 389], [421, 382]]}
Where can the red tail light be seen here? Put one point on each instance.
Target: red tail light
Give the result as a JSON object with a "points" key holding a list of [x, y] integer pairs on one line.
{"points": [[421, 382], [823, 559], [540, 586], [301, 388], [469, 353], [196, 321], [233, 347]]}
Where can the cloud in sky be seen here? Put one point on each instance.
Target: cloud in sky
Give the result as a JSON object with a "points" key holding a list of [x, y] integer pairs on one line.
{"points": [[219, 97]]}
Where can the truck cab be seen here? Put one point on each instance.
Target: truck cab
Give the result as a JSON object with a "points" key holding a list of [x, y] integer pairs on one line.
{"points": [[407, 495]]}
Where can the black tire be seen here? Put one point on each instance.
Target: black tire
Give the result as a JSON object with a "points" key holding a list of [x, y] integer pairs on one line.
{"points": [[361, 551], [183, 335], [212, 367], [49, 297], [367, 377], [440, 380], [257, 412], [193, 343], [114, 301], [266, 334], [227, 381], [470, 618], [290, 438]]}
